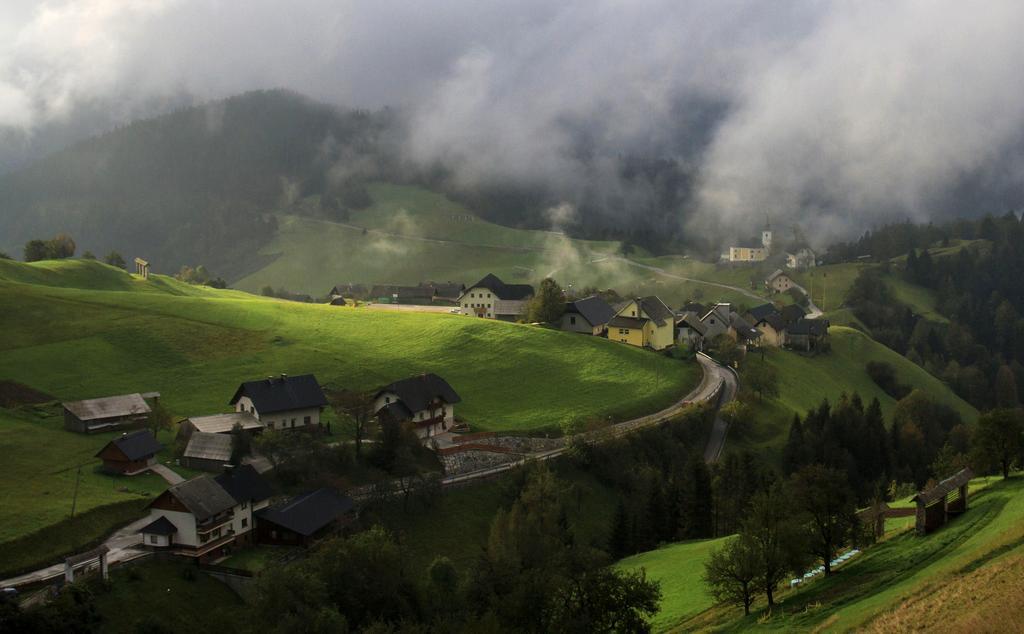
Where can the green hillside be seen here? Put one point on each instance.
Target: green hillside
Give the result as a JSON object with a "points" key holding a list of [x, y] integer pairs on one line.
{"points": [[901, 568], [805, 381], [678, 568], [195, 345]]}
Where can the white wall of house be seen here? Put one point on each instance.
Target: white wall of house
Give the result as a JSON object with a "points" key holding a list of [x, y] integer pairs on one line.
{"points": [[184, 522], [781, 283], [478, 301], [156, 541], [283, 420], [244, 404]]}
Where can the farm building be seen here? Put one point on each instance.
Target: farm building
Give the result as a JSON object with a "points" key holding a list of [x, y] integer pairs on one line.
{"points": [[206, 517], [305, 517], [493, 299], [285, 402], [807, 334], [393, 294], [131, 453], [424, 402], [107, 413], [219, 424], [347, 290], [802, 259], [590, 315], [207, 452], [645, 322], [934, 505], [779, 282]]}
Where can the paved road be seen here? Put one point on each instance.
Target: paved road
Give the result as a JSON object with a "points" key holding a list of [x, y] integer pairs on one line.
{"points": [[716, 442], [122, 548], [166, 473]]}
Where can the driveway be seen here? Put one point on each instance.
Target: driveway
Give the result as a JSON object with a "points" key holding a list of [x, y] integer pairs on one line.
{"points": [[166, 473]]}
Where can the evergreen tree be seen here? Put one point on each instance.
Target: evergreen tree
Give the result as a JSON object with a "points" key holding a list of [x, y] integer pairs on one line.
{"points": [[620, 539], [1006, 388]]}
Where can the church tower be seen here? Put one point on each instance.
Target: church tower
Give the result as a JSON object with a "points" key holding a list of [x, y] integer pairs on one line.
{"points": [[766, 236]]}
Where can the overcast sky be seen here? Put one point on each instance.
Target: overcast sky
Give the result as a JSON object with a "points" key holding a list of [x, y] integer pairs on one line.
{"points": [[837, 113]]}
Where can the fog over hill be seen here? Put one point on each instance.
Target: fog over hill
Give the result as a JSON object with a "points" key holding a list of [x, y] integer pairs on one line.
{"points": [[690, 116]]}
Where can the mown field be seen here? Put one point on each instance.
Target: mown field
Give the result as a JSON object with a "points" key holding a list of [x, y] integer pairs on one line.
{"points": [[79, 329], [805, 381], [954, 577]]}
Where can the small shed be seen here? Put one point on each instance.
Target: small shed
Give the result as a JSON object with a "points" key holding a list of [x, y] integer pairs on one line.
{"points": [[302, 519], [207, 452], [219, 424], [935, 505], [105, 414], [131, 453]]}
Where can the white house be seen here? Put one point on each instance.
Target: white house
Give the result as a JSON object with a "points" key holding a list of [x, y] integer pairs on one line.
{"points": [[207, 516], [589, 315], [493, 299], [424, 402], [802, 259], [284, 402], [779, 282]]}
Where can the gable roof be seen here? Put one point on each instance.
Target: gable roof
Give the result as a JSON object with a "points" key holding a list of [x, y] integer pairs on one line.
{"points": [[308, 513], [627, 322], [722, 311], [160, 526], [743, 329], [417, 392], [207, 446], [135, 445], [244, 484], [775, 320], [760, 312], [594, 309], [282, 394], [448, 290], [224, 423], [792, 313], [695, 307], [944, 488], [776, 273], [502, 290], [692, 320], [812, 327], [657, 310], [394, 412], [108, 407], [202, 496]]}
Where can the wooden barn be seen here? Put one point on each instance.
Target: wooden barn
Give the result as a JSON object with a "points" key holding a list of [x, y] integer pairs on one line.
{"points": [[935, 505], [131, 453], [207, 452], [107, 413]]}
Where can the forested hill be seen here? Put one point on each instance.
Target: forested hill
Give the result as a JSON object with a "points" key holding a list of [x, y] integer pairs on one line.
{"points": [[195, 186]]}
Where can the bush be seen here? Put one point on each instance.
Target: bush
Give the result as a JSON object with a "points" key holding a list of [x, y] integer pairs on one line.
{"points": [[884, 376]]}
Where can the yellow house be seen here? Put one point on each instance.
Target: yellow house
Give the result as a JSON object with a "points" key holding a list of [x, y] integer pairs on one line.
{"points": [[645, 322], [747, 254]]}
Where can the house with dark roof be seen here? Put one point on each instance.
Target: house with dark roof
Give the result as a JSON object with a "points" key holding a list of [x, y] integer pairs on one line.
{"points": [[130, 453], [792, 313], [716, 320], [107, 413], [589, 315], [742, 332], [347, 289], [285, 402], [491, 298], [646, 322], [304, 518], [425, 403], [206, 517], [690, 330], [807, 334], [770, 323]]}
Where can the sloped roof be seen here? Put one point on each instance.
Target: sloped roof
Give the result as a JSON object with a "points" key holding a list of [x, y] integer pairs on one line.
{"points": [[244, 484], [774, 320], [202, 496], [792, 313], [417, 392], [694, 307], [207, 446], [108, 407], [502, 290], [944, 488], [308, 513], [760, 312], [396, 412], [743, 329], [692, 320], [450, 290], [282, 394], [403, 292], [722, 311], [135, 445], [160, 526], [224, 423], [814, 327], [594, 309], [656, 309], [776, 273], [627, 322]]}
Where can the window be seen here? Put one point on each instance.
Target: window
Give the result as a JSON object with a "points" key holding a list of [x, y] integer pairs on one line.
{"points": [[633, 313], [387, 399], [293, 422], [306, 420], [245, 522], [572, 319], [270, 424], [488, 295], [153, 539], [204, 538]]}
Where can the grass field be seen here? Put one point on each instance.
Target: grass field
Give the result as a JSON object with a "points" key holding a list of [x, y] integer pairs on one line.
{"points": [[678, 568], [907, 571], [159, 592], [805, 381]]}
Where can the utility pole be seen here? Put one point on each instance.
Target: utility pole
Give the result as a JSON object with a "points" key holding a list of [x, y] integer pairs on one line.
{"points": [[824, 288], [74, 499]]}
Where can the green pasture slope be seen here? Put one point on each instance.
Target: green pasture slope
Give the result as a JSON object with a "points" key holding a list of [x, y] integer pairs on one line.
{"points": [[678, 568], [412, 235], [891, 571], [805, 381]]}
